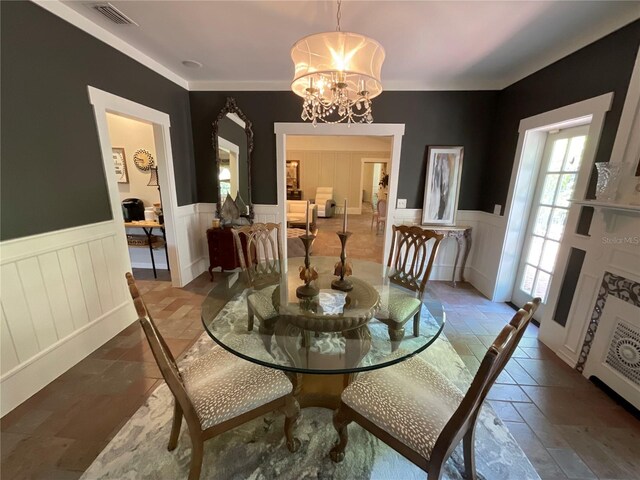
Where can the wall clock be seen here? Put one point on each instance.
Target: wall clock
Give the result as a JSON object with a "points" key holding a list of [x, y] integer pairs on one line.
{"points": [[143, 160]]}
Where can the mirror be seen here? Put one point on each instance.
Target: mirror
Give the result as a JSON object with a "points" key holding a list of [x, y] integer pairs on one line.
{"points": [[233, 144]]}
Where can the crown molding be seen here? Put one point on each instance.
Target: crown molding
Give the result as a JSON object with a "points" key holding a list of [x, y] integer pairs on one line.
{"points": [[74, 18]]}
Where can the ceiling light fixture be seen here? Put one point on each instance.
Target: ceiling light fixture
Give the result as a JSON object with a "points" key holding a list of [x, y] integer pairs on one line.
{"points": [[337, 74], [191, 64]]}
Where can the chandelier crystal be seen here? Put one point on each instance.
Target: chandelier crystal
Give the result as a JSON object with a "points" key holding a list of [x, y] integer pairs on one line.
{"points": [[337, 74]]}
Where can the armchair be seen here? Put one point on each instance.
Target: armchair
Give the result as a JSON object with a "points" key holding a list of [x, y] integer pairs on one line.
{"points": [[326, 203]]}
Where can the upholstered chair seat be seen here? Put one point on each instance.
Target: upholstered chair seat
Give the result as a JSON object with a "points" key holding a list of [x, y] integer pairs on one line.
{"points": [[398, 306], [222, 386], [261, 304], [411, 401]]}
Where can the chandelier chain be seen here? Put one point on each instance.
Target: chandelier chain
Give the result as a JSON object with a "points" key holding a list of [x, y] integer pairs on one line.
{"points": [[339, 15]]}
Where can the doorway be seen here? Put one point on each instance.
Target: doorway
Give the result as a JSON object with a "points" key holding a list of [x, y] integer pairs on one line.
{"points": [[134, 156], [555, 186], [284, 131], [338, 172], [104, 103]]}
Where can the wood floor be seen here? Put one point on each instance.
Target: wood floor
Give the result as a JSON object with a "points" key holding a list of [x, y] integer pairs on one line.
{"points": [[567, 427]]}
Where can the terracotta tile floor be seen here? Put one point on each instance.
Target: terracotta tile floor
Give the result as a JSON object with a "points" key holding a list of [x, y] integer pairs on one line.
{"points": [[363, 244], [567, 427]]}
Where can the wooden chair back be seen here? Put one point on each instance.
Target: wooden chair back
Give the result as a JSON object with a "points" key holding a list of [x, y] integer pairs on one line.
{"points": [[164, 358], [381, 208], [492, 365], [263, 256], [409, 257]]}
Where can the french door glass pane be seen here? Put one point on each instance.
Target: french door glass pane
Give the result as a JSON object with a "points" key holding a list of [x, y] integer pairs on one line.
{"points": [[542, 219], [557, 155], [549, 253], [535, 250], [527, 279], [565, 190], [549, 189], [542, 285], [558, 220], [574, 156]]}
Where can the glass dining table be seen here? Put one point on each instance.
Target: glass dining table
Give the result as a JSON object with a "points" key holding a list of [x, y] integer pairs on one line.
{"points": [[319, 342]]}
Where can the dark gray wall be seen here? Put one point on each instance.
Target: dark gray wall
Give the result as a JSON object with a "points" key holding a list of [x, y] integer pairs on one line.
{"points": [[601, 67], [430, 118], [52, 175]]}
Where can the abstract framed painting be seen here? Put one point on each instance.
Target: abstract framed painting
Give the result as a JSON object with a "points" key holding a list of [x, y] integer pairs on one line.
{"points": [[442, 185]]}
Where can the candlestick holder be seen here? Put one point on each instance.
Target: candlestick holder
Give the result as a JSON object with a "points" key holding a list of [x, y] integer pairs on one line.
{"points": [[307, 272], [343, 268]]}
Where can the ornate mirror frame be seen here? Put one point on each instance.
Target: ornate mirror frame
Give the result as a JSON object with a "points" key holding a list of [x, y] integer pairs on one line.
{"points": [[232, 107]]}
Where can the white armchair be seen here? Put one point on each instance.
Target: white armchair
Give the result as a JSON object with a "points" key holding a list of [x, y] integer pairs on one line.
{"points": [[326, 203]]}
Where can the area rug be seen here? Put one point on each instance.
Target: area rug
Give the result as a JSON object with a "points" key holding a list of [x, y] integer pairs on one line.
{"points": [[257, 451]]}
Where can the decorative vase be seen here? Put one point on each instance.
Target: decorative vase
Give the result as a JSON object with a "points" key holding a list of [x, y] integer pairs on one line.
{"points": [[608, 178]]}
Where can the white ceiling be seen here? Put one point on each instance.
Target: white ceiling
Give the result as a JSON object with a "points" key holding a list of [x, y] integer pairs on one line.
{"points": [[429, 44]]}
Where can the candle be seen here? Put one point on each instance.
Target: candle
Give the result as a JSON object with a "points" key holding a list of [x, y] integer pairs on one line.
{"points": [[344, 220], [307, 217]]}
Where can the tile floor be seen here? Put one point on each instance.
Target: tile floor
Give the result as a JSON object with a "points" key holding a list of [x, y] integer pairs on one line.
{"points": [[567, 427], [364, 243]]}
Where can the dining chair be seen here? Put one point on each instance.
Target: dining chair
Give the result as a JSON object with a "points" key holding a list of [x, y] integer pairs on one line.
{"points": [[261, 262], [380, 215], [413, 250], [216, 392], [419, 412]]}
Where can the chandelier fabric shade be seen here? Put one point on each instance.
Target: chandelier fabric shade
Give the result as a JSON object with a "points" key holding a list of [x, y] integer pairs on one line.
{"points": [[337, 73], [323, 55]]}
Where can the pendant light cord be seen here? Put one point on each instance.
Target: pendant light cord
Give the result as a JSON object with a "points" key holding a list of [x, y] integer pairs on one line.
{"points": [[339, 15]]}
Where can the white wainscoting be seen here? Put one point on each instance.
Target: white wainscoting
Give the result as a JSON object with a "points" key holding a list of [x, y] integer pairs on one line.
{"points": [[190, 232], [63, 295], [482, 265]]}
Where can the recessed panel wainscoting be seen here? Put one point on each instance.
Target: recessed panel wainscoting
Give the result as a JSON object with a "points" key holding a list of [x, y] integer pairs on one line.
{"points": [[63, 296], [487, 237]]}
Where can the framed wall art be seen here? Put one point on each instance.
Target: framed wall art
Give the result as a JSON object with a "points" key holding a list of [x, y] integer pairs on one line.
{"points": [[442, 185], [120, 165]]}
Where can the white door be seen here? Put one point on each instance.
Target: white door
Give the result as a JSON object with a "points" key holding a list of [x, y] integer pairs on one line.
{"points": [[556, 183]]}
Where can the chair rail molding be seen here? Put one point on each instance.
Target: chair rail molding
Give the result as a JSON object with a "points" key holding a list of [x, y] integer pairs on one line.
{"points": [[63, 295]]}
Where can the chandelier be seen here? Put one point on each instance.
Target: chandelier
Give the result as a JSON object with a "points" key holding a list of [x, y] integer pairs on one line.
{"points": [[337, 74]]}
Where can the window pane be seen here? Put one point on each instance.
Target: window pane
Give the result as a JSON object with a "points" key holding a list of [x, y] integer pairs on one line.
{"points": [[542, 285], [558, 221], [549, 189], [535, 249], [557, 155], [527, 279], [542, 218], [574, 157], [565, 190], [549, 253]]}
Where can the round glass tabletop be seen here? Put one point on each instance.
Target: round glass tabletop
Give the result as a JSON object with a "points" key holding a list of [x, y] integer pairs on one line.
{"points": [[333, 332]]}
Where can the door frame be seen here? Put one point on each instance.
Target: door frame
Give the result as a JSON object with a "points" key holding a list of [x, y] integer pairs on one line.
{"points": [[105, 102], [532, 137], [394, 130], [364, 161]]}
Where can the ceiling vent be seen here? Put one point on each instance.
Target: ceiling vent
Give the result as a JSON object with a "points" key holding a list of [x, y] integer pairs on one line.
{"points": [[113, 14]]}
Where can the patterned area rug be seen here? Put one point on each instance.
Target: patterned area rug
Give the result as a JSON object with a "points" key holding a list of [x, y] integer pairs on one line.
{"points": [[257, 451]]}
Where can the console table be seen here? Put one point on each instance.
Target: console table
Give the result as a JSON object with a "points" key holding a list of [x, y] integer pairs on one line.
{"points": [[462, 234], [148, 226]]}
